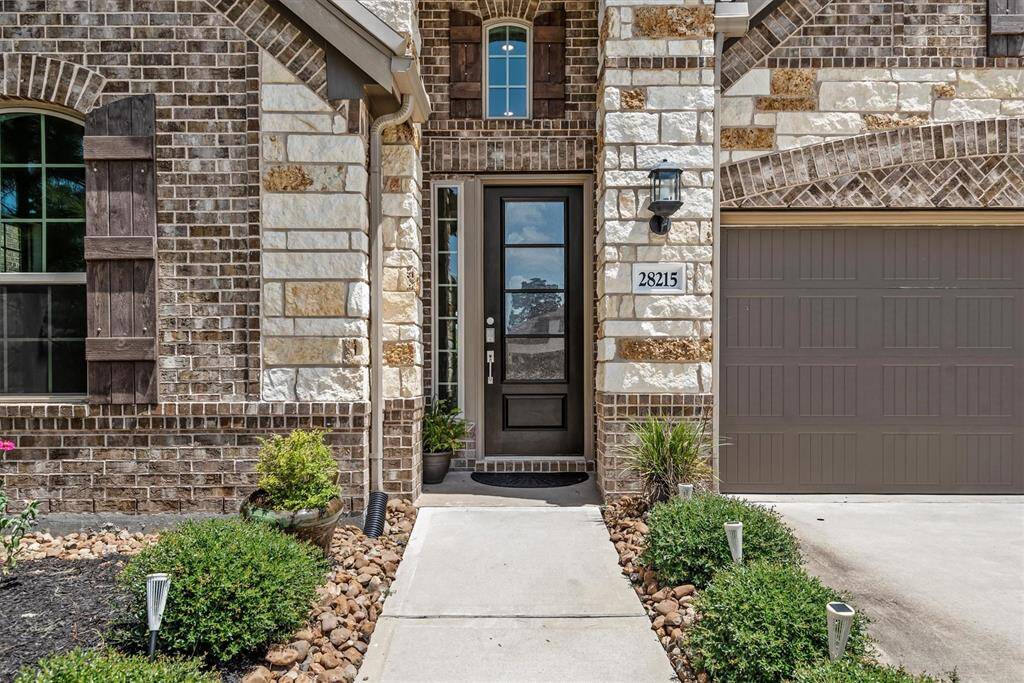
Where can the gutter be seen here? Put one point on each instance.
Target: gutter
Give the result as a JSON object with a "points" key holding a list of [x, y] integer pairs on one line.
{"points": [[374, 192]]}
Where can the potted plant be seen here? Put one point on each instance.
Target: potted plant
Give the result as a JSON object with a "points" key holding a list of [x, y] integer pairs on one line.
{"points": [[443, 434], [665, 454], [298, 487]]}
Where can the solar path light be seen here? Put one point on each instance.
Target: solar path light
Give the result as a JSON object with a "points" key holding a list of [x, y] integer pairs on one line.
{"points": [[840, 620], [686, 491], [157, 586], [734, 534]]}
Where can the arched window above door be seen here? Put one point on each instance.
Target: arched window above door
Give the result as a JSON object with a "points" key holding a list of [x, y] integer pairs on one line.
{"points": [[507, 71]]}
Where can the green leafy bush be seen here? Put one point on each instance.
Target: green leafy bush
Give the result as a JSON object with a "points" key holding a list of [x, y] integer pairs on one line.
{"points": [[443, 430], [687, 542], [235, 586], [665, 454], [297, 471], [107, 666], [760, 622], [852, 670], [12, 529]]}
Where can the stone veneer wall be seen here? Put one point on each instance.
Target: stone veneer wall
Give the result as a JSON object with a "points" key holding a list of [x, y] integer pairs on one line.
{"points": [[784, 108], [657, 103], [316, 294]]}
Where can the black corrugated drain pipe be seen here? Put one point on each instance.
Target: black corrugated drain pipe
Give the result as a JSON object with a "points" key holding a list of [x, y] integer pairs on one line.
{"points": [[376, 514]]}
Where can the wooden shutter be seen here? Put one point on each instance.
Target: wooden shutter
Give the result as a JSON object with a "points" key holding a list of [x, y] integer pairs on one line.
{"points": [[465, 80], [120, 251], [1006, 28], [549, 65]]}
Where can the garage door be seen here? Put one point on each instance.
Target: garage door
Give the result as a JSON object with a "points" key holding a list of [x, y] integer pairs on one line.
{"points": [[872, 360]]}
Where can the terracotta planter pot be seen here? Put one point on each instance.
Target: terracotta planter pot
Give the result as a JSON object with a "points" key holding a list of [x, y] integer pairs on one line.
{"points": [[435, 467], [315, 525]]}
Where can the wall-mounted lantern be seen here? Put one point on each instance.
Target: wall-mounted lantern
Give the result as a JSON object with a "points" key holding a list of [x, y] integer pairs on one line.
{"points": [[839, 621], [734, 534], [666, 195]]}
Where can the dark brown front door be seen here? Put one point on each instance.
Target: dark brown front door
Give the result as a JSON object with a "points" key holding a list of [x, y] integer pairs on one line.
{"points": [[533, 350]]}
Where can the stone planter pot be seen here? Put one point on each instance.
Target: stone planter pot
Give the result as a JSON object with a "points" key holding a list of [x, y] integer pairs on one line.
{"points": [[315, 525], [435, 467]]}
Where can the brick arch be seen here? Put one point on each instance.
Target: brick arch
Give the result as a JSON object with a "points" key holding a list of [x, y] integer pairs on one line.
{"points": [[508, 9], [55, 81], [971, 164]]}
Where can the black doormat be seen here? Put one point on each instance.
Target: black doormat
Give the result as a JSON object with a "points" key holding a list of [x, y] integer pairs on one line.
{"points": [[529, 480]]}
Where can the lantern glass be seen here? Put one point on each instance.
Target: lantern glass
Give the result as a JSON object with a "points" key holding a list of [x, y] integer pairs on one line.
{"points": [[663, 186]]}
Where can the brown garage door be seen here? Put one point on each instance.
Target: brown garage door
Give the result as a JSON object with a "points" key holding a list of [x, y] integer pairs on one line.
{"points": [[873, 360]]}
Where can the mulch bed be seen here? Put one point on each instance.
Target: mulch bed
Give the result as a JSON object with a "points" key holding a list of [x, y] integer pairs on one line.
{"points": [[52, 605]]}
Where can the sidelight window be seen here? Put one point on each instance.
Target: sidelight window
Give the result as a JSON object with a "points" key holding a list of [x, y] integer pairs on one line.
{"points": [[508, 72], [447, 294], [42, 255]]}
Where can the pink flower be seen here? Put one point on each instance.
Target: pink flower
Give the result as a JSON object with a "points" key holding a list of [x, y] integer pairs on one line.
{"points": [[6, 445]]}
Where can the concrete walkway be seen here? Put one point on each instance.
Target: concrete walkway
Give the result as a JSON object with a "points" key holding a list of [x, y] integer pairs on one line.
{"points": [[940, 577], [512, 594]]}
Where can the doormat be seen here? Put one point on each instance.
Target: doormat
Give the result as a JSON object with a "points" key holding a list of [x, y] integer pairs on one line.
{"points": [[529, 480]]}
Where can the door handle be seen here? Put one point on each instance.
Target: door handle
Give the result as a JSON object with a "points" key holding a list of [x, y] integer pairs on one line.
{"points": [[490, 366]]}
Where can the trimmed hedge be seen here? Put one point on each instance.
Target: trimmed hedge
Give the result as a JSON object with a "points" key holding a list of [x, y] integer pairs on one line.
{"points": [[760, 622], [851, 670], [107, 666], [686, 542], [235, 587]]}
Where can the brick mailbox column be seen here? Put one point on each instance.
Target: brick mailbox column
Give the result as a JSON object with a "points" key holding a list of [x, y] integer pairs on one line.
{"points": [[656, 102]]}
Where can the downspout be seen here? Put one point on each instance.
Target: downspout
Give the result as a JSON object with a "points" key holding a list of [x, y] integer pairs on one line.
{"points": [[375, 190], [716, 249]]}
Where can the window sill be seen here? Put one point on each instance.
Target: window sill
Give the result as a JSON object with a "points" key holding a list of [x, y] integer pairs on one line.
{"points": [[48, 399]]}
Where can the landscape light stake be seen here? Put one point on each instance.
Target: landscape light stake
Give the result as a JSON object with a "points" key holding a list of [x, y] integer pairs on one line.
{"points": [[734, 534], [686, 491], [157, 586], [839, 620]]}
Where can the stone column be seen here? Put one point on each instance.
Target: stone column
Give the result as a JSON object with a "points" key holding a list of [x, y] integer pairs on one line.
{"points": [[656, 102], [403, 313]]}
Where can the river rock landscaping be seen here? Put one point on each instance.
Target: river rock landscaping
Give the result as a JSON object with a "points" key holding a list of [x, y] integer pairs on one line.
{"points": [[64, 596]]}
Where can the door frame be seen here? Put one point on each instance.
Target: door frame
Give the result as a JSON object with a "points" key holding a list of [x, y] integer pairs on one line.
{"points": [[473, 301]]}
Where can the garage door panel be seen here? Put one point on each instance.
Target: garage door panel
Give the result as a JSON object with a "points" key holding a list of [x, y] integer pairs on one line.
{"points": [[900, 360]]}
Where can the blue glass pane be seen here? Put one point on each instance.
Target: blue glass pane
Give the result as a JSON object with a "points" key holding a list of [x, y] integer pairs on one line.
{"points": [[534, 222], [496, 71], [496, 102], [517, 39], [517, 71], [535, 313], [517, 101], [21, 193], [65, 193], [537, 268], [496, 39]]}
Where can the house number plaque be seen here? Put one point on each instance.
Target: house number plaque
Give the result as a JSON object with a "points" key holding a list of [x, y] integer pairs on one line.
{"points": [[655, 278]]}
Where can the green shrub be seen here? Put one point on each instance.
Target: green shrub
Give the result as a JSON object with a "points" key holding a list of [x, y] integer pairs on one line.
{"points": [[12, 529], [107, 666], [443, 430], [761, 621], [235, 586], [297, 471], [687, 542], [665, 454], [852, 670]]}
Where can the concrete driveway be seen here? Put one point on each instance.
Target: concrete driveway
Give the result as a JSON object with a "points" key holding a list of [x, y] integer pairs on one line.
{"points": [[941, 578]]}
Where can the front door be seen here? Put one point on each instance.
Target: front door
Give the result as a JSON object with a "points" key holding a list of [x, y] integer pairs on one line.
{"points": [[533, 310]]}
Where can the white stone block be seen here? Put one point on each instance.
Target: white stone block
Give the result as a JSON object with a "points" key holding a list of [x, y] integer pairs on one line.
{"points": [[697, 203], [674, 253], [858, 96], [934, 75], [626, 179], [626, 232], [299, 265], [636, 48], [652, 378], [677, 306], [737, 111], [272, 71], [792, 142], [685, 156], [819, 123], [278, 384], [916, 97], [631, 127], [965, 110], [655, 77], [317, 211], [331, 384], [399, 160], [754, 82], [273, 298], [317, 240], [355, 179], [612, 100], [855, 74], [991, 83], [1012, 108], [679, 126], [278, 326], [295, 97], [615, 278], [684, 48], [399, 204], [296, 123], [331, 327], [275, 239], [686, 97], [647, 328], [358, 300], [327, 148]]}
